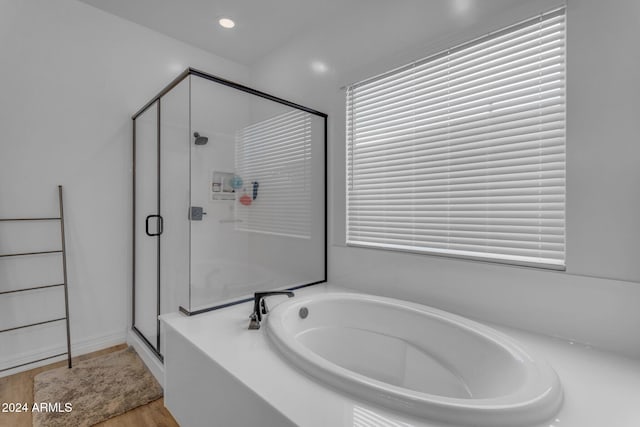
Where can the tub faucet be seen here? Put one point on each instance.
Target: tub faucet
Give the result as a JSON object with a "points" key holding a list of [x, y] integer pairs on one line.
{"points": [[260, 306]]}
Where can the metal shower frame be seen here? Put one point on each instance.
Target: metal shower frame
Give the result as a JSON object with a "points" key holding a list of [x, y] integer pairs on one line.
{"points": [[156, 100]]}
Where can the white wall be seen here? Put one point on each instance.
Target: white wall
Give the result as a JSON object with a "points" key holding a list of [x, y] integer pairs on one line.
{"points": [[72, 76], [595, 300]]}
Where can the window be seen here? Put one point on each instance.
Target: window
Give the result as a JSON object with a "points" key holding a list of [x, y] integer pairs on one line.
{"points": [[274, 159], [463, 153]]}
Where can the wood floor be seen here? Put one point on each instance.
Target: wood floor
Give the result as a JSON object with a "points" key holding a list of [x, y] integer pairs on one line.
{"points": [[19, 388]]}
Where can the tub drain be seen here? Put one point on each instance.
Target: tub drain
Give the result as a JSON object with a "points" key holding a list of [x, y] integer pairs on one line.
{"points": [[303, 313]]}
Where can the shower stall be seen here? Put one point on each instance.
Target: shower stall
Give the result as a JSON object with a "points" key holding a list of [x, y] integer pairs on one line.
{"points": [[229, 198]]}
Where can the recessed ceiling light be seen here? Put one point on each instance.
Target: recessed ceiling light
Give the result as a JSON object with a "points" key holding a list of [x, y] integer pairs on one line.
{"points": [[319, 67], [226, 23]]}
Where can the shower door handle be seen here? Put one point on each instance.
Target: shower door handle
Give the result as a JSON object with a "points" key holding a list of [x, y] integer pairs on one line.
{"points": [[160, 225]]}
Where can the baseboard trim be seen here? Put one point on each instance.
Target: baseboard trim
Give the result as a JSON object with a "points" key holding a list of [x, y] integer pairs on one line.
{"points": [[150, 360], [78, 348]]}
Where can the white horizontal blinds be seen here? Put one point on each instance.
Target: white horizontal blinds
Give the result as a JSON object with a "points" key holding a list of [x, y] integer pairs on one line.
{"points": [[463, 153], [276, 154]]}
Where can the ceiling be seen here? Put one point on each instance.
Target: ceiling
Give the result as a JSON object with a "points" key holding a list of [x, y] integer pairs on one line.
{"points": [[261, 25]]}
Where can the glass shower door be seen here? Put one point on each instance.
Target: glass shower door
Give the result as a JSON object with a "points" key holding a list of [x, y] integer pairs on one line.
{"points": [[148, 226], [161, 267]]}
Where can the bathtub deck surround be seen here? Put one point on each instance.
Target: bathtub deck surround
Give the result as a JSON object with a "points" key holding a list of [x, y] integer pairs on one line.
{"points": [[205, 380]]}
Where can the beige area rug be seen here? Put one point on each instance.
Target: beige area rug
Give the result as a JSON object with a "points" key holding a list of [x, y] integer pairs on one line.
{"points": [[97, 389]]}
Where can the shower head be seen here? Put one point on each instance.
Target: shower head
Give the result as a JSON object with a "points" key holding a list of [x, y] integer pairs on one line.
{"points": [[200, 140]]}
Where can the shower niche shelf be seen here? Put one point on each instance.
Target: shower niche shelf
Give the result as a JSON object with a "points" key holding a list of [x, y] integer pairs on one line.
{"points": [[222, 185]]}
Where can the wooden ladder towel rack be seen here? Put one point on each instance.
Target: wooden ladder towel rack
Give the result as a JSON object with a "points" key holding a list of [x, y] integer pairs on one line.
{"points": [[62, 251]]}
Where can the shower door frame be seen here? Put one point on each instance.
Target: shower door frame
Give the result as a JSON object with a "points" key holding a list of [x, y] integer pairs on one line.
{"points": [[186, 73], [154, 348]]}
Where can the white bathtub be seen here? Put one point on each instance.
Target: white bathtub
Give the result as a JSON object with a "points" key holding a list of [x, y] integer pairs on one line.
{"points": [[415, 359]]}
